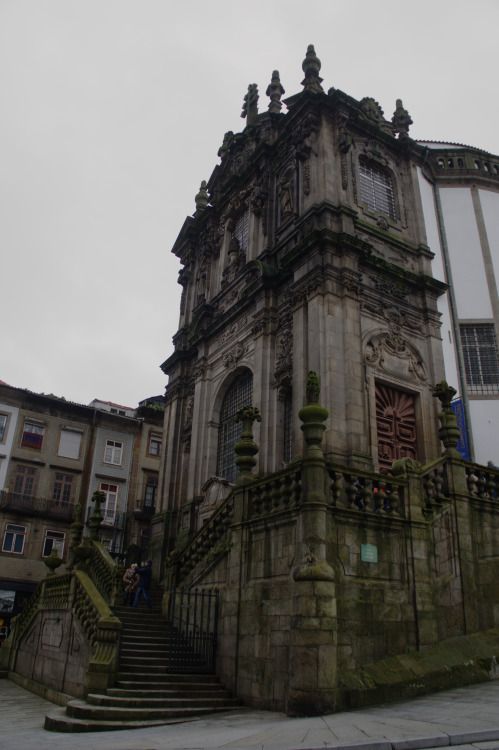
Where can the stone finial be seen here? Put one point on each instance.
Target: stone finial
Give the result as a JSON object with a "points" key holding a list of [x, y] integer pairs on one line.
{"points": [[313, 416], [250, 106], [96, 517], [201, 199], [77, 527], [311, 67], [275, 91], [246, 448], [401, 120], [53, 561], [449, 431], [445, 393], [313, 388], [229, 135]]}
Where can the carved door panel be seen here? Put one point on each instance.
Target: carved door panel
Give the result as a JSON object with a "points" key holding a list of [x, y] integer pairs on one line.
{"points": [[396, 426]]}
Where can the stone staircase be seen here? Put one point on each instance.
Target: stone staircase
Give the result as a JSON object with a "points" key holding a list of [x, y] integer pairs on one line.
{"points": [[149, 690]]}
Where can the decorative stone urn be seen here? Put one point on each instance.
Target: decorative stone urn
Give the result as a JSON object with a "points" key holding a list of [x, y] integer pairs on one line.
{"points": [[449, 431], [53, 561], [83, 551], [246, 448], [313, 416]]}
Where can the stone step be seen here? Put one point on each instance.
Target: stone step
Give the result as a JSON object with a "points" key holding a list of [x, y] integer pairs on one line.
{"points": [[82, 710], [145, 651], [159, 644], [166, 670], [169, 702], [180, 679], [58, 721], [167, 690]]}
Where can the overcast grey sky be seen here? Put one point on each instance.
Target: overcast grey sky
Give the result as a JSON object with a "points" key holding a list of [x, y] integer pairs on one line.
{"points": [[111, 114]]}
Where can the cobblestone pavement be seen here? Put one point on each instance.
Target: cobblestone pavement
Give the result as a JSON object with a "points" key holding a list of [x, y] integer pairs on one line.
{"points": [[468, 717]]}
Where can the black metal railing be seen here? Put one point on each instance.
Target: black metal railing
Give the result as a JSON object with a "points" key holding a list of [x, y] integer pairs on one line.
{"points": [[36, 506], [114, 521], [193, 638]]}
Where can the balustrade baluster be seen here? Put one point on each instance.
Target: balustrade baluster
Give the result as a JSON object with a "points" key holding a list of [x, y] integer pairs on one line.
{"points": [[286, 491], [481, 484], [275, 495], [296, 489], [438, 480], [352, 491], [429, 489], [368, 497], [267, 499], [491, 486], [471, 482], [335, 487], [257, 500]]}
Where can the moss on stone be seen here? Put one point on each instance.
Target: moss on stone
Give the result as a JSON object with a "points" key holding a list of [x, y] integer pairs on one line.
{"points": [[457, 661]]}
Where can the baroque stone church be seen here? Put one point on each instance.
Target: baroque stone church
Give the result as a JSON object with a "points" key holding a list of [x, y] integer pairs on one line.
{"points": [[307, 251], [342, 529]]}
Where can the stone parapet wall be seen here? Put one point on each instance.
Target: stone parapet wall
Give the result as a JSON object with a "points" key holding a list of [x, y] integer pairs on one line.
{"points": [[393, 582]]}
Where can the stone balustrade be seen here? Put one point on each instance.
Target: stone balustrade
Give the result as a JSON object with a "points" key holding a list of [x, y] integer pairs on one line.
{"points": [[368, 493], [483, 483]]}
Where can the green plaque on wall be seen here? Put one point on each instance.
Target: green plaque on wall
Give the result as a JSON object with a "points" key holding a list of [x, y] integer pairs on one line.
{"points": [[368, 553]]}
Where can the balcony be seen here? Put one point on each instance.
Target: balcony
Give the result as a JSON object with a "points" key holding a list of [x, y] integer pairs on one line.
{"points": [[145, 509], [29, 505], [115, 521]]}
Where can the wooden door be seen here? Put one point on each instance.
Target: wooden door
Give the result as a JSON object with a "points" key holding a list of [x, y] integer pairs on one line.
{"points": [[396, 426]]}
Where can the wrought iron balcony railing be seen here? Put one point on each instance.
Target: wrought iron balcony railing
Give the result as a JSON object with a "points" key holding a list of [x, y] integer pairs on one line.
{"points": [[114, 520], [36, 506], [145, 509]]}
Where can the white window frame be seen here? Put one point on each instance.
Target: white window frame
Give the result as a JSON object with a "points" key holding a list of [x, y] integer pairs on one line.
{"points": [[113, 452], [4, 421], [31, 428], [57, 538], [109, 507], [157, 442], [16, 531]]}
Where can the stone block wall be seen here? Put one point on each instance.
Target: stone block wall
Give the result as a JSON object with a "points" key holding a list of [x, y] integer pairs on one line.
{"points": [[55, 653], [397, 585]]}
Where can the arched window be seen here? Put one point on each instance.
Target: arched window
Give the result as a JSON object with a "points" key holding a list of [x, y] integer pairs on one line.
{"points": [[239, 394], [376, 189]]}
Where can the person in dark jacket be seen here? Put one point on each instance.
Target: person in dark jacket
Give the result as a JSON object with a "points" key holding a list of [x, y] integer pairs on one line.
{"points": [[145, 573]]}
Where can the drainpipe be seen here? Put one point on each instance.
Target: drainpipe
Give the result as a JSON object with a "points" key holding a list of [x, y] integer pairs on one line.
{"points": [[452, 300]]}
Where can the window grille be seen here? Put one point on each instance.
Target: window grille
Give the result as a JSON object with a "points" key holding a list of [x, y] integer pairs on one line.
{"points": [[377, 189], [240, 231], [239, 394], [480, 358]]}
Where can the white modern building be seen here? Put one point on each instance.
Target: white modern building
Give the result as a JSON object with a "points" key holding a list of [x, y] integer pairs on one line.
{"points": [[460, 195]]}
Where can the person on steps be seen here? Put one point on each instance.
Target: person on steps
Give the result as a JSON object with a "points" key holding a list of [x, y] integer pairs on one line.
{"points": [[131, 581], [145, 573]]}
